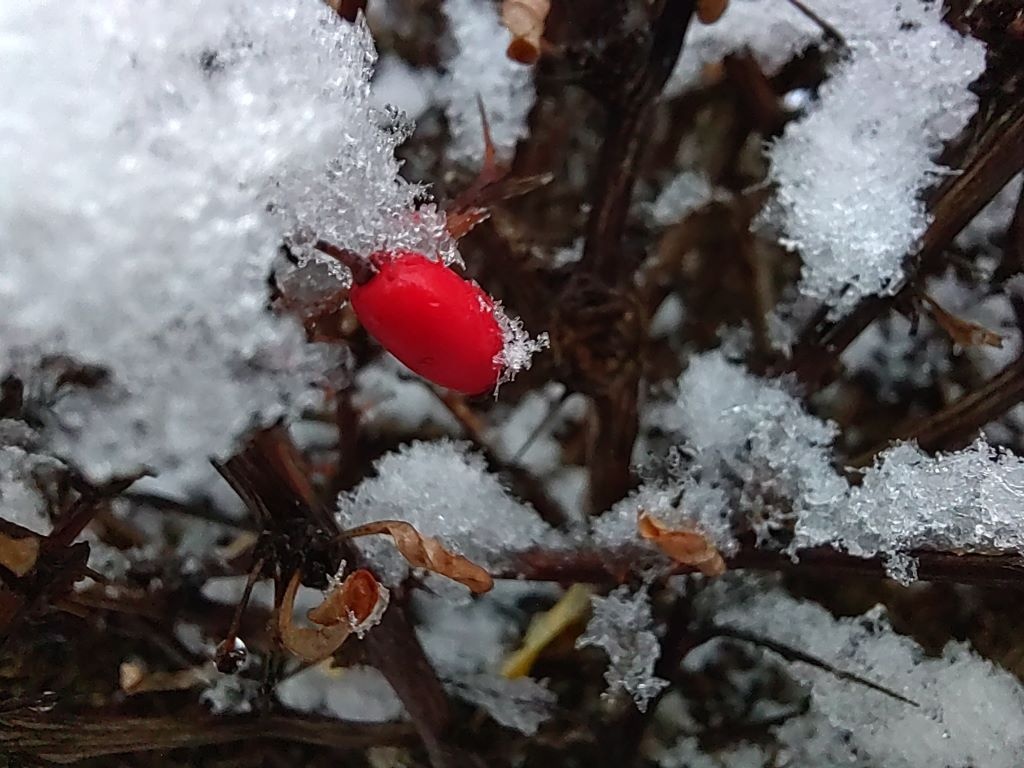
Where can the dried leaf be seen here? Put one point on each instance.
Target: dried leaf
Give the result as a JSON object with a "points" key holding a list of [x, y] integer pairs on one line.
{"points": [[546, 627], [358, 601], [345, 611], [426, 552], [963, 333], [18, 555], [685, 546], [710, 11], [525, 20]]}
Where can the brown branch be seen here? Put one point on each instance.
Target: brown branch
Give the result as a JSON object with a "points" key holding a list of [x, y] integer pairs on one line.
{"points": [[271, 478], [604, 567], [629, 115], [65, 739], [958, 423]]}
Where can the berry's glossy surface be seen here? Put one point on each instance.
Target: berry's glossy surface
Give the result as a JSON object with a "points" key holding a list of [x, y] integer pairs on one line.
{"points": [[438, 324]]}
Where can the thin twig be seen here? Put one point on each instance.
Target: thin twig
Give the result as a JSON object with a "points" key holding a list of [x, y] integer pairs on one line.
{"points": [[789, 653]]}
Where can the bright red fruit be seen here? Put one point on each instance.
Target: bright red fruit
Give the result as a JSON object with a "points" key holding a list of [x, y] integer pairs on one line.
{"points": [[437, 323]]}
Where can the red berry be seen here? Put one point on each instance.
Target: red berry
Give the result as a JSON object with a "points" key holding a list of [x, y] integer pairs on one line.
{"points": [[437, 323]]}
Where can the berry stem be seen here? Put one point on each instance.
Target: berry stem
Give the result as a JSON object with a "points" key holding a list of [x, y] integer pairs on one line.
{"points": [[360, 267]]}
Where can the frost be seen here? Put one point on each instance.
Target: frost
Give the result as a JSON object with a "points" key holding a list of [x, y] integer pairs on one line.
{"points": [[850, 173], [444, 491], [622, 626], [969, 713], [145, 198], [478, 68], [357, 693], [773, 32]]}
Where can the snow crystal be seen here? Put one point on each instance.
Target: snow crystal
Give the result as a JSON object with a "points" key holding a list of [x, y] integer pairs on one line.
{"points": [[444, 490], [479, 68], [517, 353], [357, 693], [772, 32], [970, 712], [146, 195], [622, 626], [850, 173]]}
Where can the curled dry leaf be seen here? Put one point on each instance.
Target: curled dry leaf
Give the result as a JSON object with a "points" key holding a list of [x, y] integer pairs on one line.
{"points": [[525, 20], [19, 554], [359, 601], [426, 552], [710, 11], [685, 546], [352, 607]]}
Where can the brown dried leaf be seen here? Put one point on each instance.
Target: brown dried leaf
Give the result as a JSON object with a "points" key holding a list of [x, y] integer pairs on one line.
{"points": [[525, 20], [710, 11], [685, 546], [426, 552], [355, 601], [964, 333], [345, 611], [19, 555]]}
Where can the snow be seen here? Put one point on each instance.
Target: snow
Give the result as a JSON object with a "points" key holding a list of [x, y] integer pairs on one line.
{"points": [[21, 498], [145, 198], [444, 490], [750, 456], [967, 500], [466, 643], [357, 693], [391, 399], [773, 32], [622, 626], [522, 704], [970, 712], [476, 67], [684, 193], [850, 173]]}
